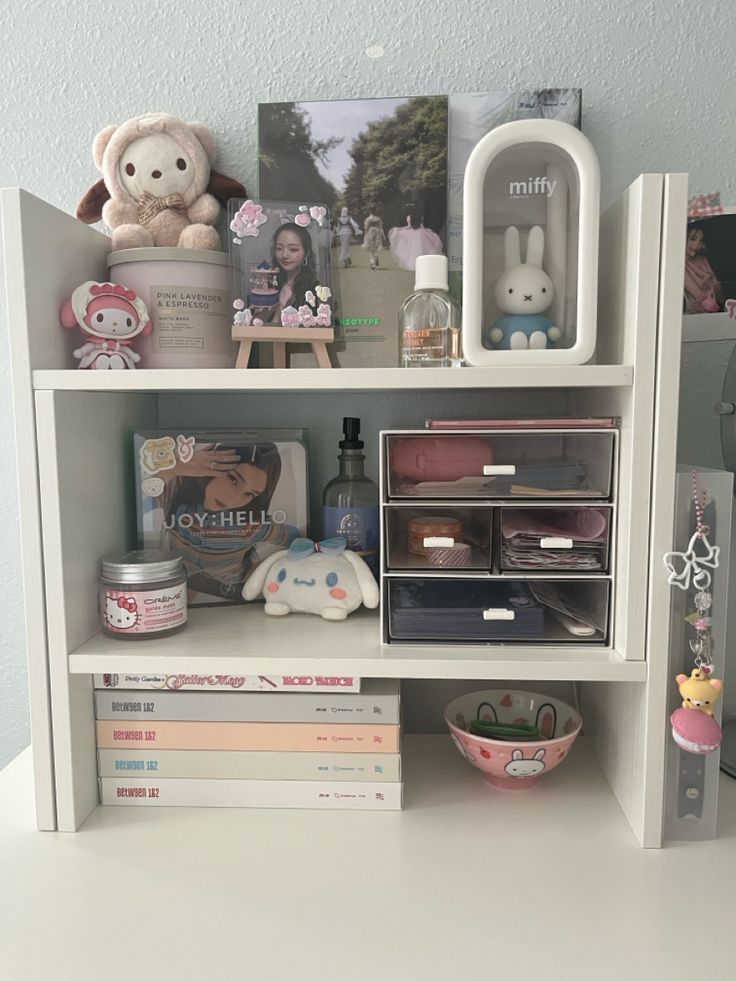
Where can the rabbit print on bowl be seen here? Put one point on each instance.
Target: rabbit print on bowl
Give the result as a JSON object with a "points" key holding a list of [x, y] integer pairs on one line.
{"points": [[545, 730], [523, 292]]}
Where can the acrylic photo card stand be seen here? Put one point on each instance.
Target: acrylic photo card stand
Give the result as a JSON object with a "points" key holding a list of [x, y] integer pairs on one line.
{"points": [[691, 780], [280, 255], [530, 246]]}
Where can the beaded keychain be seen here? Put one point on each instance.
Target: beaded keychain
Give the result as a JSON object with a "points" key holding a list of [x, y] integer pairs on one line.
{"points": [[693, 727]]}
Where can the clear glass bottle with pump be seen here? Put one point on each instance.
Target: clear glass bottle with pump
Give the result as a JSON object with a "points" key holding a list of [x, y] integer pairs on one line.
{"points": [[429, 320], [350, 500]]}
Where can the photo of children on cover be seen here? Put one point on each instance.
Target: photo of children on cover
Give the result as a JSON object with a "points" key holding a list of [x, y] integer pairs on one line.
{"points": [[380, 168], [223, 501]]}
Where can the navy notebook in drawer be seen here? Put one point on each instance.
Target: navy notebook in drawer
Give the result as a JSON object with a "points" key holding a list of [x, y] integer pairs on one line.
{"points": [[435, 609]]}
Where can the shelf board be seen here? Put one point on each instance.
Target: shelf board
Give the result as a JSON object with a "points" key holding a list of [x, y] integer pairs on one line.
{"points": [[700, 327], [244, 640], [365, 894], [338, 379]]}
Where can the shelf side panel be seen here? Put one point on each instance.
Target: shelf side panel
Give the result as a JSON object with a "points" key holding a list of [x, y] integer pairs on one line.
{"points": [[669, 349], [58, 253], [628, 724], [84, 461], [17, 274], [631, 232]]}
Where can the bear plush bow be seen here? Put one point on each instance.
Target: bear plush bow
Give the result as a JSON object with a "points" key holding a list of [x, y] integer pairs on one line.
{"points": [[300, 548], [149, 206]]}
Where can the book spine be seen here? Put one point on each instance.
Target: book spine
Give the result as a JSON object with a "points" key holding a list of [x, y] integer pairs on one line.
{"points": [[298, 737], [227, 765], [170, 706], [151, 792], [230, 682]]}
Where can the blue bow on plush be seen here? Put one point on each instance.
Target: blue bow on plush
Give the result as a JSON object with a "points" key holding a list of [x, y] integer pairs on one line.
{"points": [[300, 548]]}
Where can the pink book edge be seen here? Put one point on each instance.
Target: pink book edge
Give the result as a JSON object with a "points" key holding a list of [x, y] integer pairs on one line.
{"points": [[606, 423]]}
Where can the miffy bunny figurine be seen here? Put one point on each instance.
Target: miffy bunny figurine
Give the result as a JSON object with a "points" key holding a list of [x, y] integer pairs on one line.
{"points": [[314, 577], [523, 292]]}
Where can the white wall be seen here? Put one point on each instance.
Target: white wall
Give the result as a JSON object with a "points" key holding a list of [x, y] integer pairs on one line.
{"points": [[657, 91]]}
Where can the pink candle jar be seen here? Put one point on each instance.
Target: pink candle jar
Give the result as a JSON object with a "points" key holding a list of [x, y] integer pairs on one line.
{"points": [[187, 293], [142, 594]]}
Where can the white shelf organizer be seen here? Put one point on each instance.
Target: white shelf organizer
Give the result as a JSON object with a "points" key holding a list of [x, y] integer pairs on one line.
{"points": [[74, 431]]}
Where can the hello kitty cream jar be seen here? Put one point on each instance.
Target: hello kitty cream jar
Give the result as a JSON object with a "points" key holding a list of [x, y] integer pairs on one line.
{"points": [[142, 594]]}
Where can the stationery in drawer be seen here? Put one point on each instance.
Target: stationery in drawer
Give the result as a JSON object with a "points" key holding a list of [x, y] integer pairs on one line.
{"points": [[580, 609], [497, 465], [560, 539], [493, 610], [436, 539], [462, 609]]}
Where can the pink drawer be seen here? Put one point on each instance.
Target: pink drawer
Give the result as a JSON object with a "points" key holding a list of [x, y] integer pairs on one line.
{"points": [[559, 539], [527, 465]]}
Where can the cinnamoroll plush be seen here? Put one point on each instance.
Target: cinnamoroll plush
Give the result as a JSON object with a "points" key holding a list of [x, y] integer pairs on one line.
{"points": [[314, 577], [158, 186]]}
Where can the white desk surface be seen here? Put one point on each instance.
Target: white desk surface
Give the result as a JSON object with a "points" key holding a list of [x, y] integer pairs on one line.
{"points": [[467, 883]]}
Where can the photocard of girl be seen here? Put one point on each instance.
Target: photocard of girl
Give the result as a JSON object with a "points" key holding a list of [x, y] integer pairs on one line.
{"points": [[280, 255], [703, 289], [222, 500]]}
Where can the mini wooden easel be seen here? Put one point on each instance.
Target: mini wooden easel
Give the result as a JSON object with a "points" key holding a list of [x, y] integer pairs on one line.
{"points": [[317, 337]]}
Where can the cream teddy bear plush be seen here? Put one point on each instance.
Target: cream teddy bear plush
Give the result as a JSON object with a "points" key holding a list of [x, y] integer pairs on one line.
{"points": [[158, 186]]}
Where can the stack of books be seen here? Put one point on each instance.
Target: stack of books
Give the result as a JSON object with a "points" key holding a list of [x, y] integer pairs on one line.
{"points": [[249, 741]]}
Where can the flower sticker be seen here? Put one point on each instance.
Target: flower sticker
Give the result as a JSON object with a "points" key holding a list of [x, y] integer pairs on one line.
{"points": [[310, 298], [302, 220], [323, 292], [324, 315], [247, 220], [290, 317], [239, 304], [306, 316], [319, 214]]}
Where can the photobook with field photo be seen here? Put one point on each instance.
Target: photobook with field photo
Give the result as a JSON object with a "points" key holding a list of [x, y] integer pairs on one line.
{"points": [[380, 167]]}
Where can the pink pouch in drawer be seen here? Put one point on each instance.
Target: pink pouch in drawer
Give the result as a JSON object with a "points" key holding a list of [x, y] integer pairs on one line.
{"points": [[450, 458]]}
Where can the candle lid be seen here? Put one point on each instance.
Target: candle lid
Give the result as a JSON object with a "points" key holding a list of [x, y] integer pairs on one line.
{"points": [[145, 565]]}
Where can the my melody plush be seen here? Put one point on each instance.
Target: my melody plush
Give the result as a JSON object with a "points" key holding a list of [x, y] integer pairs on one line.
{"points": [[523, 292], [158, 186], [314, 577], [109, 316]]}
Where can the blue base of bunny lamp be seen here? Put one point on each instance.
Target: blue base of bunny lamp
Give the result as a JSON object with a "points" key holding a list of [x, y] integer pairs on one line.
{"points": [[519, 332]]}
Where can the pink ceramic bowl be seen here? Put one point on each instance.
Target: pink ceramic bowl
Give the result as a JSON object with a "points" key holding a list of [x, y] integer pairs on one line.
{"points": [[513, 765]]}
